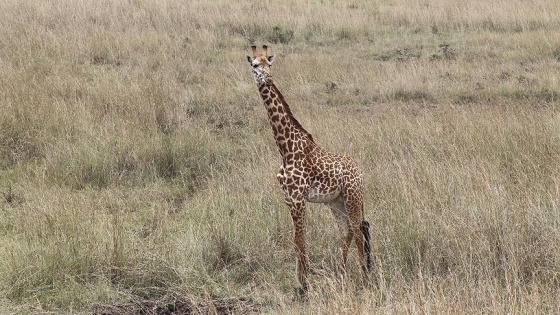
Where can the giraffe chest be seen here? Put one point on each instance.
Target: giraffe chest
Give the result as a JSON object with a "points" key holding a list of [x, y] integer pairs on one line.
{"points": [[294, 178]]}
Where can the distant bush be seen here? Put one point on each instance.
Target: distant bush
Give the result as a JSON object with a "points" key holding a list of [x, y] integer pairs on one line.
{"points": [[18, 144]]}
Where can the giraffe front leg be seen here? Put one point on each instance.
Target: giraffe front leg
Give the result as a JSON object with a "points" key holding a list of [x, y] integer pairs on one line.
{"points": [[298, 217]]}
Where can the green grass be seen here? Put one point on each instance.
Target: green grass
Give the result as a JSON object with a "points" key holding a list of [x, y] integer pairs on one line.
{"points": [[136, 162]]}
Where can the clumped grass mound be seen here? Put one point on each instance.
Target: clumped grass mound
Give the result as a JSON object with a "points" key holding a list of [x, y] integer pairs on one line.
{"points": [[137, 165]]}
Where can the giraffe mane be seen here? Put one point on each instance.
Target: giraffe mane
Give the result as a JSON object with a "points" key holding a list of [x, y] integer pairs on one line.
{"points": [[294, 121]]}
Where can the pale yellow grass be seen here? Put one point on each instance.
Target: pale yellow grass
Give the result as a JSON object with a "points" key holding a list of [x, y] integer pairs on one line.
{"points": [[136, 161]]}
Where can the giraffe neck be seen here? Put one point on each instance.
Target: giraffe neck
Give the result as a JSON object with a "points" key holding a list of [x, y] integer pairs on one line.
{"points": [[284, 125]]}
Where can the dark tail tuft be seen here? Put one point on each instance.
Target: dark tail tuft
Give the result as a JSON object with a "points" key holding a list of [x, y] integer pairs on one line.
{"points": [[367, 246]]}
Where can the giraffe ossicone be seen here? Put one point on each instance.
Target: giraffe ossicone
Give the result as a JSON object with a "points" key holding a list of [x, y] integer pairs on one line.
{"points": [[309, 173]]}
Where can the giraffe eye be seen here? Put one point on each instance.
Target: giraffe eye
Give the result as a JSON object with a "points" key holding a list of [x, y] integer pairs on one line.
{"points": [[254, 66]]}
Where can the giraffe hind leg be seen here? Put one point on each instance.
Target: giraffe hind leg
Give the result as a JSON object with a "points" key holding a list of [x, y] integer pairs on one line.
{"points": [[359, 239], [346, 235], [355, 215]]}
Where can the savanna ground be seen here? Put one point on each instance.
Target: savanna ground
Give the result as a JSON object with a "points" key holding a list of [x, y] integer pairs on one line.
{"points": [[137, 167]]}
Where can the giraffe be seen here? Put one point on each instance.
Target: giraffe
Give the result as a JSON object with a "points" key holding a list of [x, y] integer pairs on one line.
{"points": [[309, 173]]}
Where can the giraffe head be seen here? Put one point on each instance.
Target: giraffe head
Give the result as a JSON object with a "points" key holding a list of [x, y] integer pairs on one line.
{"points": [[261, 65]]}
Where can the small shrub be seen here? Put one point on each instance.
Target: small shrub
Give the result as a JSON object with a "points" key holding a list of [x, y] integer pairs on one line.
{"points": [[408, 96], [167, 161], [280, 35], [12, 198], [544, 95], [445, 52], [223, 254], [556, 54], [18, 144]]}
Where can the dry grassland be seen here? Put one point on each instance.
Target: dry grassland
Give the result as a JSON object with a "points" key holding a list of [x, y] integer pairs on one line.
{"points": [[136, 162]]}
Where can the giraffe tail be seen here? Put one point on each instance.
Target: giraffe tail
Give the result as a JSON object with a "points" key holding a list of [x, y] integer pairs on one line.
{"points": [[367, 246]]}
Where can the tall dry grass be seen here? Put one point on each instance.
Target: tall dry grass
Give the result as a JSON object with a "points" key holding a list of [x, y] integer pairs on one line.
{"points": [[136, 161]]}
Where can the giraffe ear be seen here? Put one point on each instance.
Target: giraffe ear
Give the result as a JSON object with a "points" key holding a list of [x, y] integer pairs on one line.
{"points": [[250, 59], [270, 59]]}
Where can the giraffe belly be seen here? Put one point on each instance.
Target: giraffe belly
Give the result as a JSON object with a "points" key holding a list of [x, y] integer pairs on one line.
{"points": [[318, 194]]}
